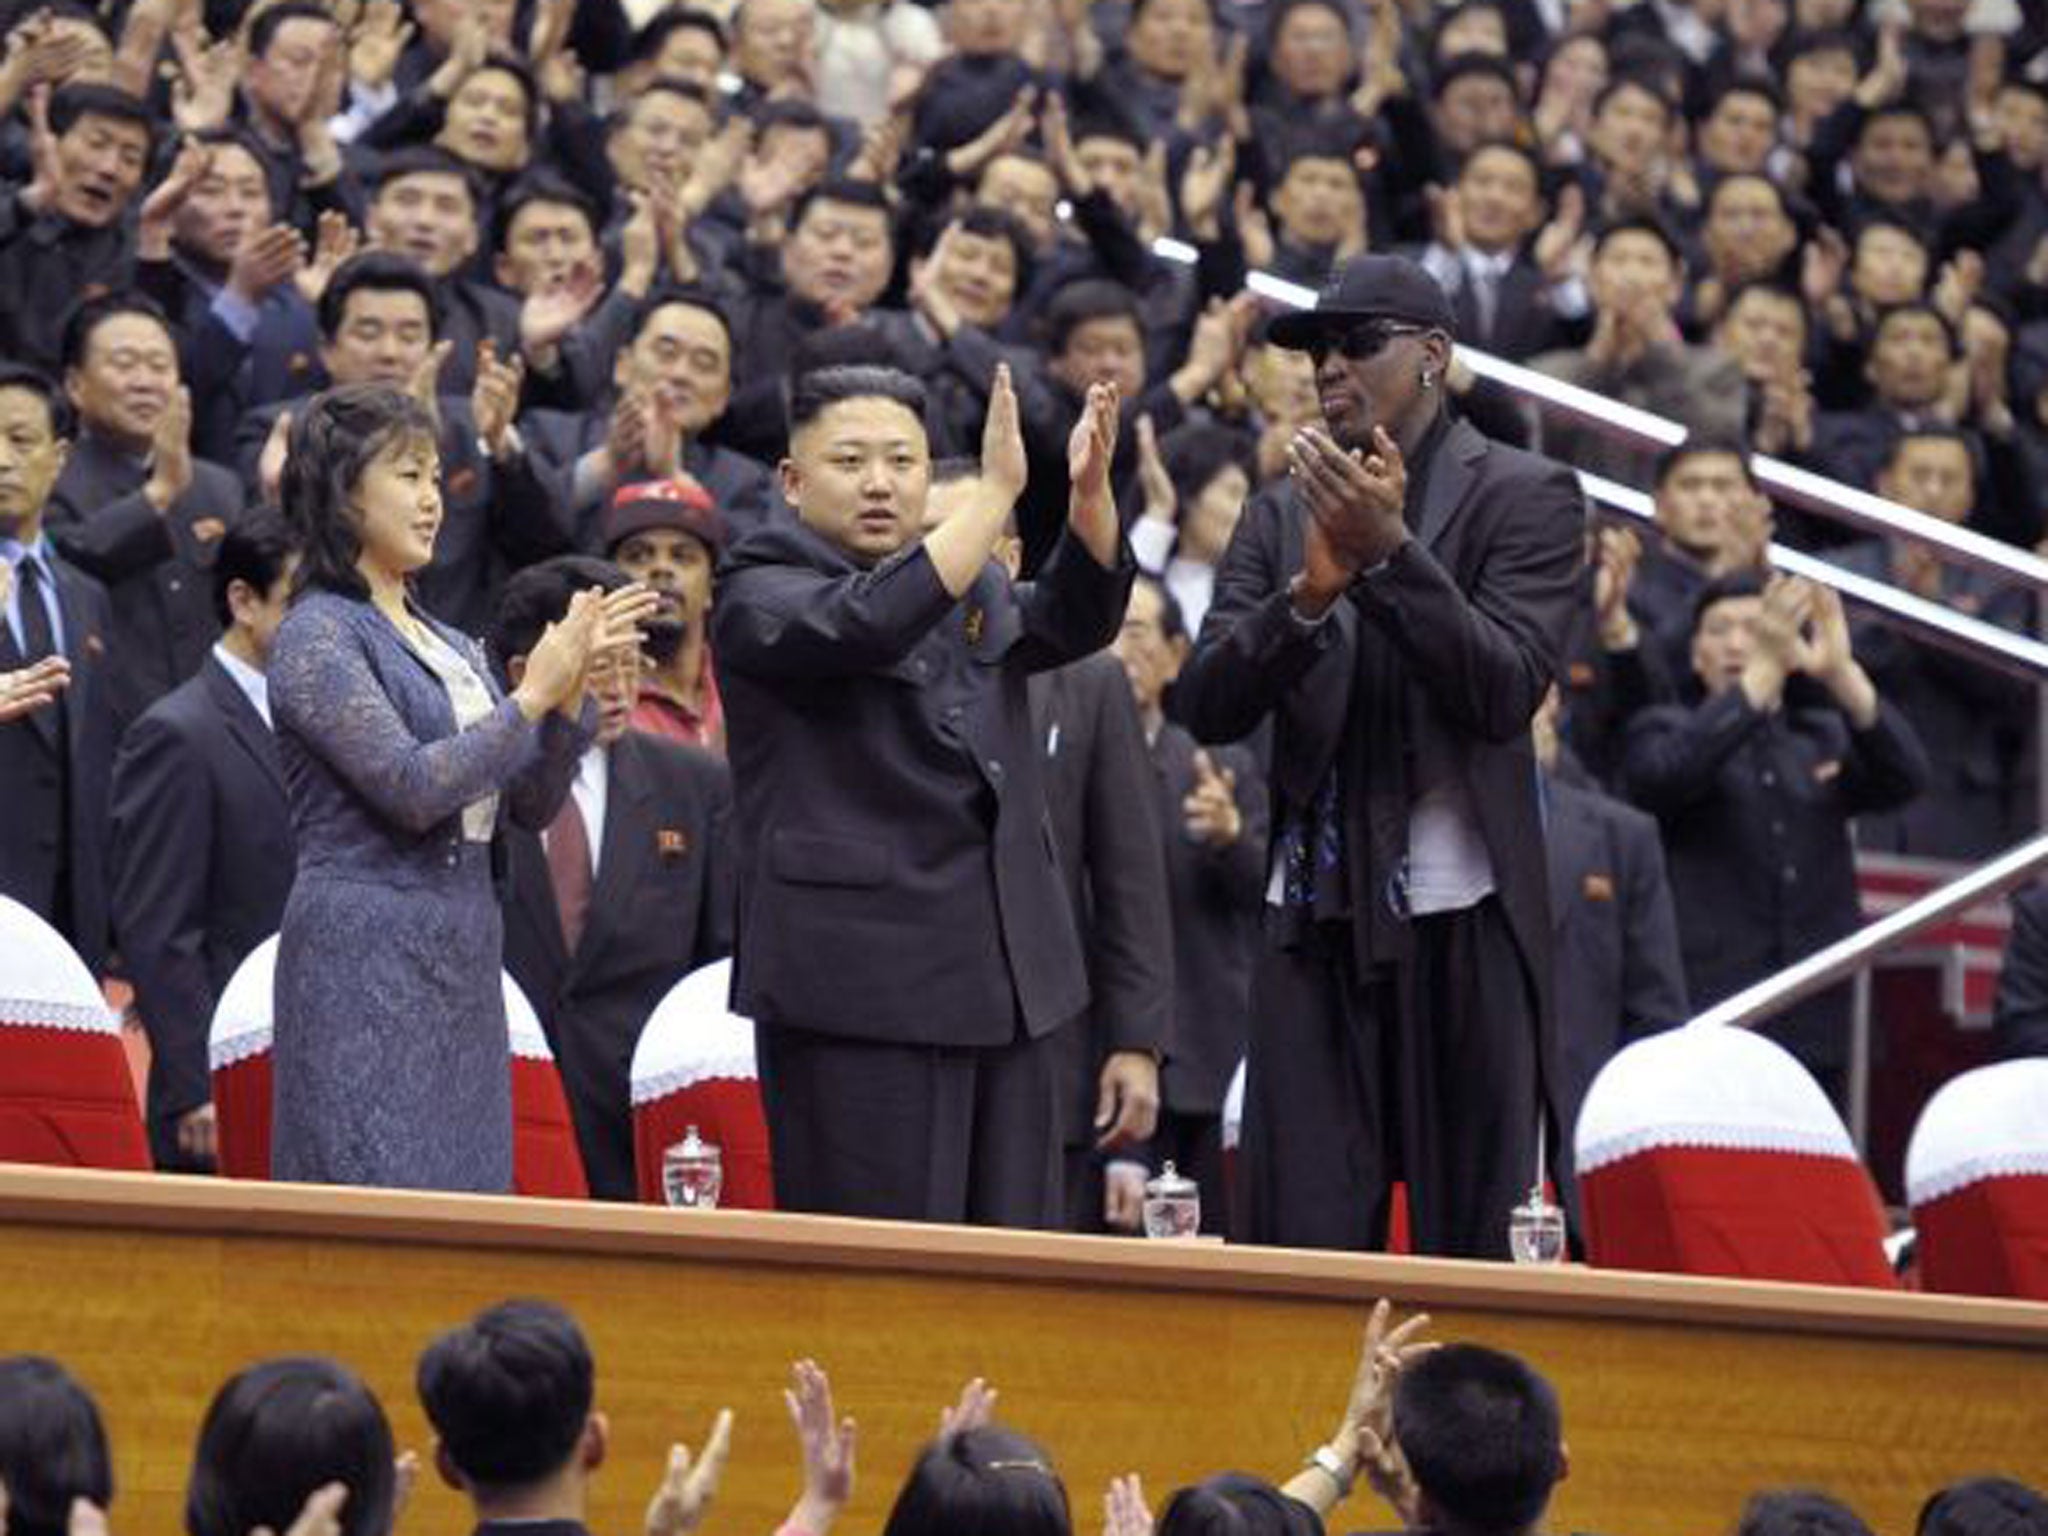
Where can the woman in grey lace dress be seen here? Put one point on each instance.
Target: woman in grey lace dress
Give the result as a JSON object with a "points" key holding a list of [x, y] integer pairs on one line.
{"points": [[390, 1061]]}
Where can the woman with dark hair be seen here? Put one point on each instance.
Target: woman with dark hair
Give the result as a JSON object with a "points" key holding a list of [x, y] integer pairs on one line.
{"points": [[53, 1448], [1236, 1504], [391, 1062], [282, 1432], [1985, 1506], [988, 1480], [1195, 482]]}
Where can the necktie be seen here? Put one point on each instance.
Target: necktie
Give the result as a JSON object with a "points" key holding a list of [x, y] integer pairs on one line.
{"points": [[37, 640], [568, 851]]}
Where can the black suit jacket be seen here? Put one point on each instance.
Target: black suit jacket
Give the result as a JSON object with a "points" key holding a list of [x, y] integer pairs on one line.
{"points": [[1217, 895], [1620, 975], [1107, 835], [203, 861], [2019, 1017], [660, 907], [897, 879], [1451, 644], [53, 844], [157, 567], [1755, 809]]}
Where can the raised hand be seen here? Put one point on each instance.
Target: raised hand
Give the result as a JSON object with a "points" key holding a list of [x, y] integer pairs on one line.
{"points": [[1003, 462], [170, 454], [1253, 227], [1155, 201], [335, 241], [1090, 448], [160, 209], [827, 1442], [265, 259], [376, 42], [270, 462], [494, 398], [1561, 248], [1384, 1355], [1446, 216], [974, 1409], [717, 163], [549, 313], [1005, 133], [1162, 501], [1617, 554], [687, 1489], [1123, 1508], [425, 384], [467, 51], [1209, 810], [1203, 185], [1358, 498]]}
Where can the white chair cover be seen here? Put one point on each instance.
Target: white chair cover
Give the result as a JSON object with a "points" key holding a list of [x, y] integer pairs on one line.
{"points": [[1989, 1123], [693, 1035], [43, 983]]}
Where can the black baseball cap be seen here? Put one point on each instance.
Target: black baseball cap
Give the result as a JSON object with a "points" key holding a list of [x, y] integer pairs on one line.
{"points": [[1368, 288]]}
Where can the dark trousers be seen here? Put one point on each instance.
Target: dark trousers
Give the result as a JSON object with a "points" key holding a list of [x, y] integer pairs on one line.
{"points": [[1424, 1073], [912, 1132]]}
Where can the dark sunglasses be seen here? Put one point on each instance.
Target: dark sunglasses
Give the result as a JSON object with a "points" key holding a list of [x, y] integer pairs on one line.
{"points": [[1361, 341]]}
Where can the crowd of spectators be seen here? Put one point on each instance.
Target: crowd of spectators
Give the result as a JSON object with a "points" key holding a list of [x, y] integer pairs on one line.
{"points": [[1454, 1438], [597, 240]]}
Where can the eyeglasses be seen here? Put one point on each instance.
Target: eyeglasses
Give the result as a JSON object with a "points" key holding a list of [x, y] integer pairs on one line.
{"points": [[1362, 342]]}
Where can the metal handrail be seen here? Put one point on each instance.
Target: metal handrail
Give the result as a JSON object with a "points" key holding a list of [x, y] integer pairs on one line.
{"points": [[1936, 623]]}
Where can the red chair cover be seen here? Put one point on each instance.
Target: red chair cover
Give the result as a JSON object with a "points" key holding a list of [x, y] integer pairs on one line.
{"points": [[1977, 1177], [694, 1065], [66, 1095], [1713, 1152], [241, 1106]]}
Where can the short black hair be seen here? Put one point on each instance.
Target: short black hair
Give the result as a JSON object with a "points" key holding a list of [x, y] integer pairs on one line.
{"points": [[661, 85], [1450, 15], [1743, 85], [1771, 287], [1635, 80], [255, 550], [1798, 1512], [35, 382], [1642, 224], [529, 84], [789, 112], [1234, 1503], [1879, 219], [1076, 304], [652, 38], [96, 312], [815, 392], [661, 297], [1984, 1506], [517, 1332], [1700, 445], [1520, 151], [1922, 307], [509, 1392], [333, 439], [1096, 118], [1737, 178], [1482, 1433], [990, 1481], [1195, 454], [537, 186], [1473, 62], [375, 272], [70, 103], [987, 223], [1724, 589], [426, 160], [844, 189], [1173, 619], [53, 1447], [1932, 432], [267, 21], [278, 1432], [1901, 106]]}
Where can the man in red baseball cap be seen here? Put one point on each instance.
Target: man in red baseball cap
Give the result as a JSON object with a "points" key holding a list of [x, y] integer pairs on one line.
{"points": [[667, 533]]}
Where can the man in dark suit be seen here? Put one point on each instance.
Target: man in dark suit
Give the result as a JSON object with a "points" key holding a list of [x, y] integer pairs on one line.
{"points": [[2019, 1016], [55, 760], [203, 854], [1617, 964], [379, 325], [627, 892], [1108, 840], [1400, 607], [904, 941], [1212, 813], [1755, 789], [133, 507]]}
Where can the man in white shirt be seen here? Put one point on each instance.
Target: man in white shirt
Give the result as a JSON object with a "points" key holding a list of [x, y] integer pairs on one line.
{"points": [[202, 847]]}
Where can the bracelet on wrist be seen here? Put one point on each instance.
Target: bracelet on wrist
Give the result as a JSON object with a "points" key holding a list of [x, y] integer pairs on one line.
{"points": [[1332, 1466]]}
